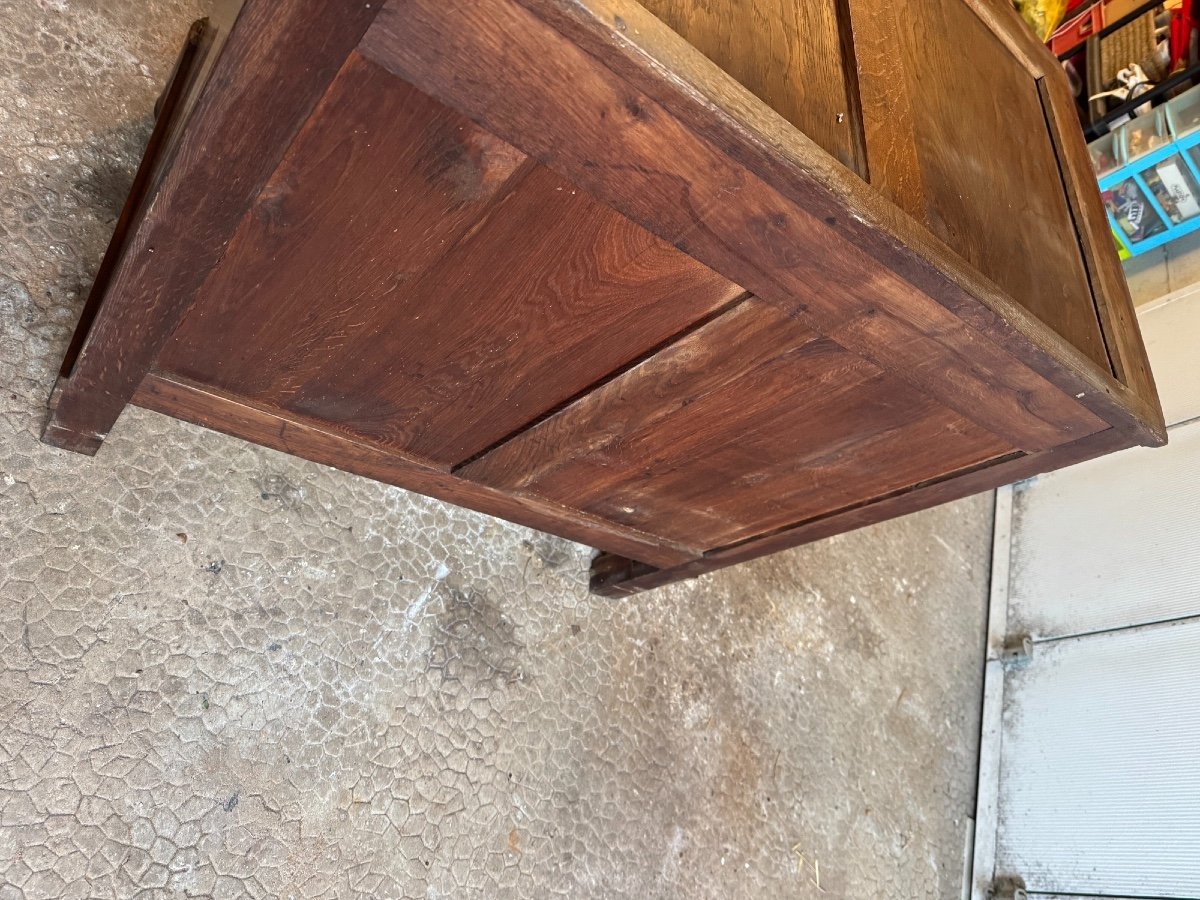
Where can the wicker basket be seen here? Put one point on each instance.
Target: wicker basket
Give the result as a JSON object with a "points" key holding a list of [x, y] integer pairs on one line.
{"points": [[1134, 43]]}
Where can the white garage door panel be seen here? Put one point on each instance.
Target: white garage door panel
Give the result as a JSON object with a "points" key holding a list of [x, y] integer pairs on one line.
{"points": [[1171, 330], [1100, 771], [1086, 539]]}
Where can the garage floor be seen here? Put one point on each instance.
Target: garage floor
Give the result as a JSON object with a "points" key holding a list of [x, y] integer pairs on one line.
{"points": [[225, 672]]}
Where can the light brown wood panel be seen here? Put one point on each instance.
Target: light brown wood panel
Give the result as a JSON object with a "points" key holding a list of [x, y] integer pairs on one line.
{"points": [[1118, 321], [787, 52], [442, 294], [988, 167], [749, 424], [889, 132]]}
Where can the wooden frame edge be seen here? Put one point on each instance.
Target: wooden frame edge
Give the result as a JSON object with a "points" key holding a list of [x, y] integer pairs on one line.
{"points": [[638, 47], [320, 444], [168, 117], [619, 577]]}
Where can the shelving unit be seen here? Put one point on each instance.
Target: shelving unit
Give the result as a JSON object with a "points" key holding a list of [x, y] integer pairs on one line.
{"points": [[1149, 173]]}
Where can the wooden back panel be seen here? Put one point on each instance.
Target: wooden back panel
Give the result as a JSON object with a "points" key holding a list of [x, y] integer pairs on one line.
{"points": [[792, 54], [957, 135]]}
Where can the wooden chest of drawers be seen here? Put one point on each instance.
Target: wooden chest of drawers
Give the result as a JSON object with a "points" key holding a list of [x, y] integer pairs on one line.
{"points": [[687, 281]]}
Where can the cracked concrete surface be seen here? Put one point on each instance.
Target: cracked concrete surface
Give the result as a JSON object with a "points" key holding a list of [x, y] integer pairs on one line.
{"points": [[229, 673]]}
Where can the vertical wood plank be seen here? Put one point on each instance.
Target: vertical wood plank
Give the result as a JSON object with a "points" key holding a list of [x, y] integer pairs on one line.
{"points": [[991, 184], [1118, 319], [889, 132], [788, 53]]}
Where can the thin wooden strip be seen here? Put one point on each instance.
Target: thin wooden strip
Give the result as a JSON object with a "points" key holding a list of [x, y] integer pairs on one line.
{"points": [[1110, 289], [168, 119], [888, 128], [273, 69], [619, 577], [626, 149], [310, 441], [634, 45]]}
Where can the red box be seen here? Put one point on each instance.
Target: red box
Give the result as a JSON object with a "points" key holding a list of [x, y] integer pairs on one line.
{"points": [[1071, 34]]}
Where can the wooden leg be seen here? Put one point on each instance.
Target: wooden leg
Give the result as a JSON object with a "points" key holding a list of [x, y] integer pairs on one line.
{"points": [[58, 436], [59, 430], [176, 230]]}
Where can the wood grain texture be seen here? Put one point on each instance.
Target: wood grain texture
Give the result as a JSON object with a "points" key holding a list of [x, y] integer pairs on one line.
{"points": [[313, 441], [494, 252], [988, 167], [415, 282], [169, 118], [621, 145], [786, 52], [656, 63], [749, 424], [615, 576], [1118, 319], [272, 70], [378, 185], [889, 129], [221, 18]]}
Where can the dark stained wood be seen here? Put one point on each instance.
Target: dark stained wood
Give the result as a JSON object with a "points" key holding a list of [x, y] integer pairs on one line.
{"points": [[787, 53], [731, 121], [272, 70], [377, 187], [168, 120], [889, 130], [615, 576], [751, 423], [309, 440], [575, 114], [546, 259], [460, 292]]}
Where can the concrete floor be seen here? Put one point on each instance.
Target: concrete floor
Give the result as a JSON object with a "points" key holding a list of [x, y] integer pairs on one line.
{"points": [[225, 672]]}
